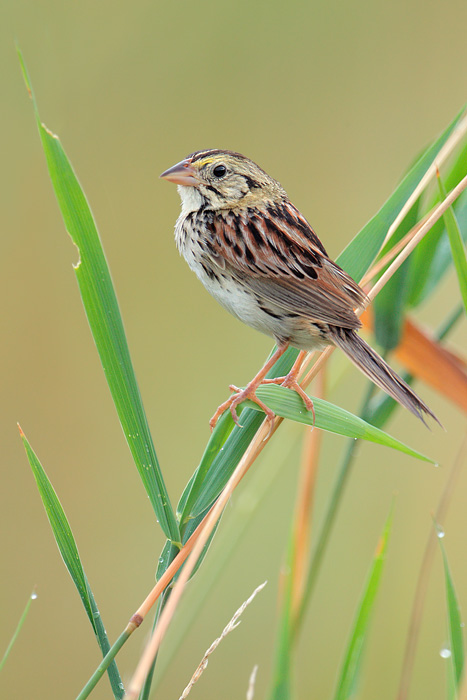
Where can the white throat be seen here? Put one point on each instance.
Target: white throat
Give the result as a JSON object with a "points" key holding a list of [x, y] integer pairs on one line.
{"points": [[191, 199]]}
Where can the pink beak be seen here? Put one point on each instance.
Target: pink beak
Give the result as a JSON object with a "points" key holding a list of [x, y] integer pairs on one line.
{"points": [[181, 174]]}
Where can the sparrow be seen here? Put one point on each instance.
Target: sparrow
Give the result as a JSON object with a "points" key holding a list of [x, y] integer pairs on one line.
{"points": [[261, 260]]}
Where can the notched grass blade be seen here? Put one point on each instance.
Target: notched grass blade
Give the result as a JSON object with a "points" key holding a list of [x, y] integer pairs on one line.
{"points": [[286, 403], [353, 655], [103, 313], [70, 555]]}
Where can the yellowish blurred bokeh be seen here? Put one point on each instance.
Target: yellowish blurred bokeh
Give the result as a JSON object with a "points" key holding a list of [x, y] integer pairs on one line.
{"points": [[334, 100]]}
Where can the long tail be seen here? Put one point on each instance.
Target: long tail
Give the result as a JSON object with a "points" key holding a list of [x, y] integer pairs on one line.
{"points": [[376, 369]]}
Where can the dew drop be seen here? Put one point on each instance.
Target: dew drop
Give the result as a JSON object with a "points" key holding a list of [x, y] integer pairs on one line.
{"points": [[33, 595], [445, 653], [440, 533]]}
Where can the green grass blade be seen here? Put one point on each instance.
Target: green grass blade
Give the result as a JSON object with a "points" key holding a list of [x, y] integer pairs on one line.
{"points": [[12, 641], [455, 626], [362, 250], [225, 448], [169, 551], [457, 246], [218, 439], [389, 305], [286, 403], [70, 555], [432, 256], [101, 306], [353, 655], [217, 470], [282, 678]]}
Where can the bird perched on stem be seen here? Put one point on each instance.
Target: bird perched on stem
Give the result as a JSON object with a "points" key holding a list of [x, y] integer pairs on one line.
{"points": [[260, 258]]}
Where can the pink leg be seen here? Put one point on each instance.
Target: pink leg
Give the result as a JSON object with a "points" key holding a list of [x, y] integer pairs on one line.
{"points": [[249, 392], [289, 380]]}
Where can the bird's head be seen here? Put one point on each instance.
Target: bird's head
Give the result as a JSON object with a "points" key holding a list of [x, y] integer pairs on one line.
{"points": [[222, 180]]}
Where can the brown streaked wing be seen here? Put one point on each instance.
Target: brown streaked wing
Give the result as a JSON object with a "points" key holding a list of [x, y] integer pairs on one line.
{"points": [[275, 252]]}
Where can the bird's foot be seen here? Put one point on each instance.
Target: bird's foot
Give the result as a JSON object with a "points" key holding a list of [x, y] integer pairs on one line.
{"points": [[240, 395], [237, 398]]}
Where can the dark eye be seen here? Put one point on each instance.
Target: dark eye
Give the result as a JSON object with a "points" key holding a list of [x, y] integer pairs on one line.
{"points": [[219, 171]]}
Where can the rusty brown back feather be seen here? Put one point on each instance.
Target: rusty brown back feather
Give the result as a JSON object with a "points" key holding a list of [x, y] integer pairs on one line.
{"points": [[292, 270]]}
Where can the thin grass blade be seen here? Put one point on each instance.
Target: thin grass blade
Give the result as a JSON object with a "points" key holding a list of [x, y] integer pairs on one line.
{"points": [[353, 655], [457, 246], [101, 306], [455, 626], [282, 680], [21, 621], [70, 555]]}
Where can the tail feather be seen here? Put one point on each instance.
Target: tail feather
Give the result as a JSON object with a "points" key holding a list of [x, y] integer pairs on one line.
{"points": [[376, 369]]}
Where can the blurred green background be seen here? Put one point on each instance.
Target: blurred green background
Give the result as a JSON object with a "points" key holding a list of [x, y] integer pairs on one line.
{"points": [[334, 100]]}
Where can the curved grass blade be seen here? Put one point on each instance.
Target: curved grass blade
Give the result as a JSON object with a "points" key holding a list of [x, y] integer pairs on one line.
{"points": [[357, 257], [286, 403], [12, 641], [103, 313], [353, 655], [457, 246], [456, 639], [70, 555]]}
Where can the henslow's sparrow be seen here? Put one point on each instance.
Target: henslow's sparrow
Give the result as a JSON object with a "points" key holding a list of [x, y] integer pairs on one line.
{"points": [[260, 258]]}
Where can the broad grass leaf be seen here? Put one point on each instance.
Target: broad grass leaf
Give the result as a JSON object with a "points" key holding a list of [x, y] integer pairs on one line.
{"points": [[103, 313], [286, 403]]}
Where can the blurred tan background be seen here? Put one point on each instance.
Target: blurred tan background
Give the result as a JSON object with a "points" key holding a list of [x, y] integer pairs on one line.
{"points": [[334, 100]]}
